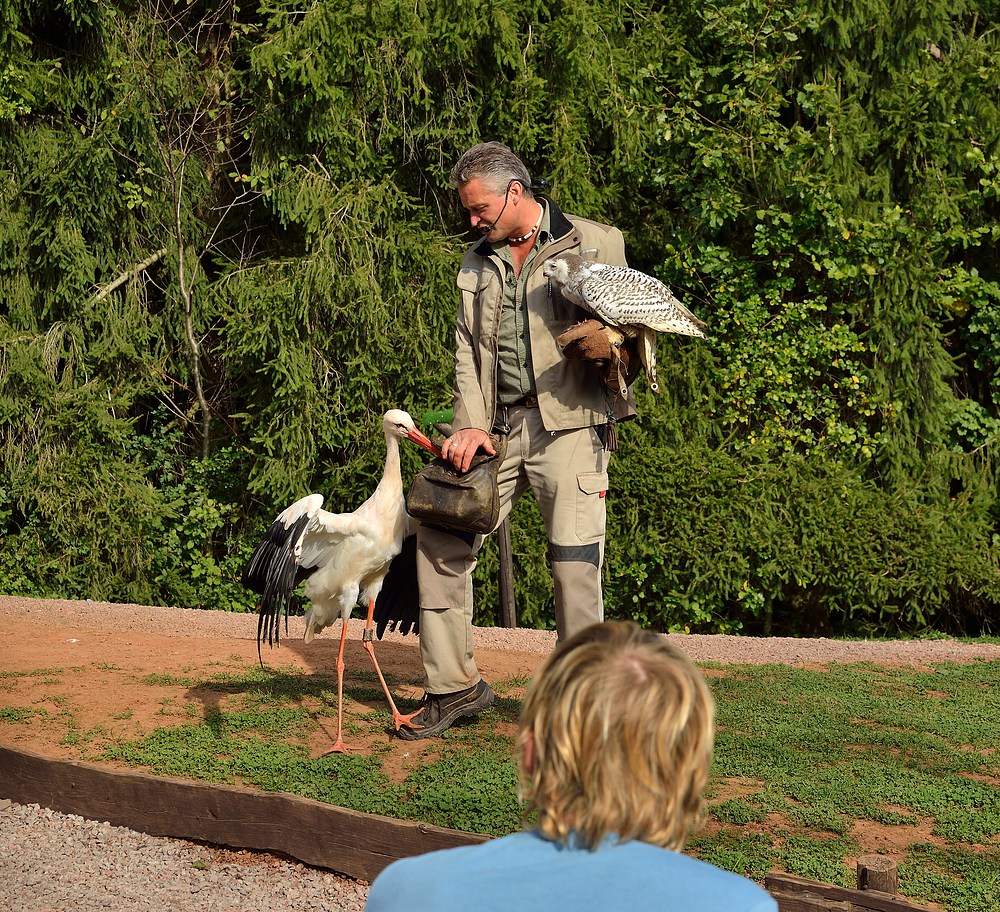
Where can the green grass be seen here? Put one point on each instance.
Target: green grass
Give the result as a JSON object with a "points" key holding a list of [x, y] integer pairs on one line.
{"points": [[803, 758], [262, 743], [17, 714], [834, 749]]}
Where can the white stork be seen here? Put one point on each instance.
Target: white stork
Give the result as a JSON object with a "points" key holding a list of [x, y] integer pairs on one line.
{"points": [[344, 558]]}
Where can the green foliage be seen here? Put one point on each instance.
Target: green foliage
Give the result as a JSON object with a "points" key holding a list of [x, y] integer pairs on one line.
{"points": [[196, 564], [70, 479], [789, 545], [821, 750], [18, 713], [259, 739], [227, 245], [964, 879]]}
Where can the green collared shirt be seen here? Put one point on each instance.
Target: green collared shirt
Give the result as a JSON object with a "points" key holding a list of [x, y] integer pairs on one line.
{"points": [[515, 374]]}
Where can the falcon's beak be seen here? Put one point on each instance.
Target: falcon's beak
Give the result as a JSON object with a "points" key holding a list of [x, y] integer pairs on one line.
{"points": [[423, 440]]}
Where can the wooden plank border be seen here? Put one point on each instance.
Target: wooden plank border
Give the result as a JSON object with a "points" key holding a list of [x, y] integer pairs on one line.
{"points": [[322, 835], [796, 894]]}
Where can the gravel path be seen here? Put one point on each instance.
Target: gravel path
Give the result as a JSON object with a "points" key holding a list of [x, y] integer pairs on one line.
{"points": [[727, 650], [51, 861]]}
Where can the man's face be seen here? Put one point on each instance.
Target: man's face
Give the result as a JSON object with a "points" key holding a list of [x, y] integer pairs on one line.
{"points": [[486, 209]]}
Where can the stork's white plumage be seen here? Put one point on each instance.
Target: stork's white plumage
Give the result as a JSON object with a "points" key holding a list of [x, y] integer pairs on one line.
{"points": [[631, 301], [344, 556]]}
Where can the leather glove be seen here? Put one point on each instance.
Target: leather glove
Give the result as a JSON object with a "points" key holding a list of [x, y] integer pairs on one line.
{"points": [[610, 351]]}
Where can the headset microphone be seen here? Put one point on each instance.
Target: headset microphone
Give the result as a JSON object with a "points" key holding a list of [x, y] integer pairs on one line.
{"points": [[536, 185], [506, 199]]}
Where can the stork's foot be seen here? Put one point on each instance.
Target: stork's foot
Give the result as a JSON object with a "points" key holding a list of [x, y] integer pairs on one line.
{"points": [[399, 719]]}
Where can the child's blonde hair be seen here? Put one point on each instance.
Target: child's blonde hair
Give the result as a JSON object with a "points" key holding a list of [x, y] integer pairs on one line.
{"points": [[616, 736]]}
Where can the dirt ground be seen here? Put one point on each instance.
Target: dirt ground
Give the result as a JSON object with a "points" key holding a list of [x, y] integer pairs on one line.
{"points": [[101, 672], [75, 676], [122, 670]]}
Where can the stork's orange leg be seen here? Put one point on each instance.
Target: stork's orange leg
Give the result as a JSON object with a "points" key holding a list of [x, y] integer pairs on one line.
{"points": [[339, 747], [367, 641]]}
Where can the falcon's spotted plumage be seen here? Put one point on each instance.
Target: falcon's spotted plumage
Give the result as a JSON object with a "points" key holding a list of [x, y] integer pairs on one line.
{"points": [[631, 301]]}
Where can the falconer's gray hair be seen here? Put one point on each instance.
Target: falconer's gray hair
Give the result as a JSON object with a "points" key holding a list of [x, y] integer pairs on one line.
{"points": [[495, 165]]}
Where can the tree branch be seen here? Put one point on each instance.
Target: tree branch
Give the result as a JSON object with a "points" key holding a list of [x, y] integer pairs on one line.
{"points": [[131, 273], [186, 298]]}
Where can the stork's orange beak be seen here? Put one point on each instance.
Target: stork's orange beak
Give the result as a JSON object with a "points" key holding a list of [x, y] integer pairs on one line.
{"points": [[422, 440]]}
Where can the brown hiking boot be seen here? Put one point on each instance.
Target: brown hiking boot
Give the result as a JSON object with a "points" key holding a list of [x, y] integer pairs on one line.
{"points": [[441, 711]]}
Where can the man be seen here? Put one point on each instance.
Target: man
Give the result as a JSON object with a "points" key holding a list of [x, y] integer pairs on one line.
{"points": [[615, 745], [557, 413]]}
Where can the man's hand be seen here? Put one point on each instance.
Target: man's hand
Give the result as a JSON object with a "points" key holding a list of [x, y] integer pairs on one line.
{"points": [[461, 447]]}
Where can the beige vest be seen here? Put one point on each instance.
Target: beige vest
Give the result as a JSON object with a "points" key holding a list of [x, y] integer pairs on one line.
{"points": [[570, 393]]}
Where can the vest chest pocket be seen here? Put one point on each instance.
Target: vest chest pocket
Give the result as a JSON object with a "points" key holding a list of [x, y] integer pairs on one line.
{"points": [[468, 280], [479, 292]]}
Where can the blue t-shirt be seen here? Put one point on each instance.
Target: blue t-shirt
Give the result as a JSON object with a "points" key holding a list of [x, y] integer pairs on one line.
{"points": [[526, 872]]}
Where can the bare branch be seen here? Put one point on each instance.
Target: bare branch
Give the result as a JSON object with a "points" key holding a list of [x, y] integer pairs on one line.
{"points": [[130, 273]]}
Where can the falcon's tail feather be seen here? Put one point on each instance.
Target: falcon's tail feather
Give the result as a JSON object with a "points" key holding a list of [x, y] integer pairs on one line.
{"points": [[647, 354]]}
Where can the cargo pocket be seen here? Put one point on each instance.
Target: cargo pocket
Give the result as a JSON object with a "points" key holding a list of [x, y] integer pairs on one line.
{"points": [[591, 512], [478, 297]]}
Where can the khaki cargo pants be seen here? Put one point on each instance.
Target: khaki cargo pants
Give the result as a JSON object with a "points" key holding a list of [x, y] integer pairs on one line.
{"points": [[567, 472]]}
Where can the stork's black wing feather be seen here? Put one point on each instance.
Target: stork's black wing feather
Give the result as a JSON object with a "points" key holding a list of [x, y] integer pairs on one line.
{"points": [[273, 574], [398, 604]]}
